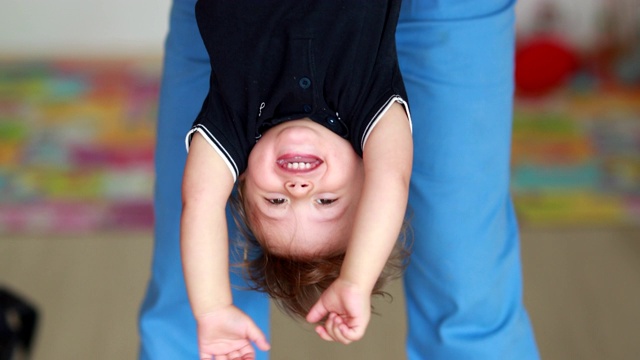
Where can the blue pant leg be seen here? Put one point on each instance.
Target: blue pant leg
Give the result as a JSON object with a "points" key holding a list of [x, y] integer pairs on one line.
{"points": [[167, 327], [464, 286]]}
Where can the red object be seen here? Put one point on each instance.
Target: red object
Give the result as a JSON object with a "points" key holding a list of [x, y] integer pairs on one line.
{"points": [[543, 63]]}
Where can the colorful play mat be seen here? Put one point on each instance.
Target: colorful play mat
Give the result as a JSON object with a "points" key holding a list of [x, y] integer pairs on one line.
{"points": [[576, 159], [77, 137], [76, 145]]}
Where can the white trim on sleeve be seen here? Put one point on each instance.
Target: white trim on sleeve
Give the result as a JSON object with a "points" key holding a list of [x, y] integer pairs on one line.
{"points": [[215, 144], [383, 110]]}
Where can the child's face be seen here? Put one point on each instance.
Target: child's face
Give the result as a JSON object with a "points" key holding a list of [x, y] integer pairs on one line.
{"points": [[302, 186]]}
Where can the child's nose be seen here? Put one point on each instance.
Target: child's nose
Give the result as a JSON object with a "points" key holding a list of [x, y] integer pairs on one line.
{"points": [[298, 187]]}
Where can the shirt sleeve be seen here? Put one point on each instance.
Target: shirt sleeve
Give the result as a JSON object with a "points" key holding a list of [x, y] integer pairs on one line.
{"points": [[217, 124], [383, 110]]}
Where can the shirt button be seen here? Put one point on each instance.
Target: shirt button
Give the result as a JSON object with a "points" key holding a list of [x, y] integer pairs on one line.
{"points": [[307, 108], [304, 82], [337, 126]]}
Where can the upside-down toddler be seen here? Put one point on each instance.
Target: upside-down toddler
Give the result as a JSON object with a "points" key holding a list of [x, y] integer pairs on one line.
{"points": [[307, 113]]}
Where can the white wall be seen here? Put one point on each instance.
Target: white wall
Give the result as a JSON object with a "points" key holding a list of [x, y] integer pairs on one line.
{"points": [[82, 27], [125, 27], [577, 19], [583, 22]]}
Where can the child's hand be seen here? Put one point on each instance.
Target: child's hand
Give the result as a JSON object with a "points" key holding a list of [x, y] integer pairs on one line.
{"points": [[227, 333], [348, 308]]}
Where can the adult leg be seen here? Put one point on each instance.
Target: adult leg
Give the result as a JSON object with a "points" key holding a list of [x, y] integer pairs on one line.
{"points": [[463, 286], [167, 327]]}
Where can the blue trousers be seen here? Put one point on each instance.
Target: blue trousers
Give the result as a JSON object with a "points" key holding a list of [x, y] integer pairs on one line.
{"points": [[463, 286]]}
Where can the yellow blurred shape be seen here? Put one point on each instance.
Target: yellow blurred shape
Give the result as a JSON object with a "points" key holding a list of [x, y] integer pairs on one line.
{"points": [[579, 208]]}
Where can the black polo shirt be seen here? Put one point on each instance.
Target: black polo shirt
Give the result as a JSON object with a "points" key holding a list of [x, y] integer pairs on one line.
{"points": [[333, 61]]}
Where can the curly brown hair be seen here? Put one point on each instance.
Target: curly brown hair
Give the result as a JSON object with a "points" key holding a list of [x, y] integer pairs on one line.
{"points": [[296, 284]]}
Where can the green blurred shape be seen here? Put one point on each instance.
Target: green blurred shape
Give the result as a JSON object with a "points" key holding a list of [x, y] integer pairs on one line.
{"points": [[542, 123], [12, 131]]}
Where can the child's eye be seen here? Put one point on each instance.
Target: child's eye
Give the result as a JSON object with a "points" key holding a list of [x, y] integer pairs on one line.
{"points": [[277, 201], [325, 201]]}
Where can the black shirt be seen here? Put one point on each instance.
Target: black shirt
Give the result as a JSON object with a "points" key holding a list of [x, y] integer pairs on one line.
{"points": [[334, 62]]}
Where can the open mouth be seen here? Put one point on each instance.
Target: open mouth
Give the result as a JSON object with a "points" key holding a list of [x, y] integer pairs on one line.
{"points": [[298, 162]]}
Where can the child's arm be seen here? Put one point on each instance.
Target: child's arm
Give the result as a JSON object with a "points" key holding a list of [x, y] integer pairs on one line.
{"points": [[207, 184], [388, 160], [387, 164]]}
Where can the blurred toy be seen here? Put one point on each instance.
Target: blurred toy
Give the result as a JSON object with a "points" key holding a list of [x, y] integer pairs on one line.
{"points": [[544, 59], [18, 321], [543, 64]]}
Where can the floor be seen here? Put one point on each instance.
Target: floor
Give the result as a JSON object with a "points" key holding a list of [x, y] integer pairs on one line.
{"points": [[582, 289]]}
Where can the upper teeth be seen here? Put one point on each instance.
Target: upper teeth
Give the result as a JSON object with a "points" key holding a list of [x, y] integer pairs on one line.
{"points": [[298, 165]]}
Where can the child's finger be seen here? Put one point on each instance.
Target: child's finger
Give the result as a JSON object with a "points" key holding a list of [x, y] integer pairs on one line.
{"points": [[204, 356], [245, 353], [351, 333], [332, 326], [337, 331], [317, 313], [257, 336], [351, 329], [320, 330], [329, 325]]}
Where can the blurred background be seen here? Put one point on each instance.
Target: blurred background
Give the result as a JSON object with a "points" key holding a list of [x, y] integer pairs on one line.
{"points": [[78, 95]]}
